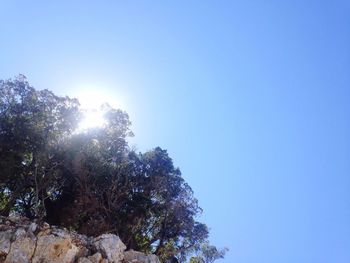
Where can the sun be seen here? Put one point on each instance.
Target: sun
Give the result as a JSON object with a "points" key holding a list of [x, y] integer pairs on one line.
{"points": [[92, 102], [92, 118]]}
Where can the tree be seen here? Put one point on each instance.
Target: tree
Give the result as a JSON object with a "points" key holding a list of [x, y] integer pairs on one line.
{"points": [[92, 181], [32, 123], [208, 254], [173, 209], [140, 197]]}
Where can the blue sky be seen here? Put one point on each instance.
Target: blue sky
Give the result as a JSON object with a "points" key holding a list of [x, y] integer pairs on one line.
{"points": [[251, 99]]}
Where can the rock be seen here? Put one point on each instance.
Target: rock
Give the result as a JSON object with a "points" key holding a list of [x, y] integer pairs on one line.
{"points": [[22, 241], [32, 227], [96, 258], [83, 260], [22, 250], [22, 247], [110, 246], [55, 249], [132, 256], [45, 226], [153, 259], [5, 243]]}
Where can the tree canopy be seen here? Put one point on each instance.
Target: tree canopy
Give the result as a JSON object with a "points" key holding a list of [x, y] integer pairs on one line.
{"points": [[91, 181]]}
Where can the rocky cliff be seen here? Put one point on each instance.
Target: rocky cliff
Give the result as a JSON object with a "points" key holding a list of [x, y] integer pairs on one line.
{"points": [[23, 241]]}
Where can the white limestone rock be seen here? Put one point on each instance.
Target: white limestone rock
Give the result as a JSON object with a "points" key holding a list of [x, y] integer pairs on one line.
{"points": [[110, 246]]}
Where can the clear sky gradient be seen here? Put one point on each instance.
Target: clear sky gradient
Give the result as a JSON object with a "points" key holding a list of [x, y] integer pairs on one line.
{"points": [[250, 98]]}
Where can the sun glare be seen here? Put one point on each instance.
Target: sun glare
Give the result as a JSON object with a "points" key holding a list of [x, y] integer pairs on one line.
{"points": [[92, 118], [94, 98], [91, 102]]}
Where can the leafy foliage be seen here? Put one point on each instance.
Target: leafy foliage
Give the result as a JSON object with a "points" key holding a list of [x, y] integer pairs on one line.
{"points": [[32, 124], [92, 181], [208, 254]]}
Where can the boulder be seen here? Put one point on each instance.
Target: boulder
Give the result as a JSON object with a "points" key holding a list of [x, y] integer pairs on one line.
{"points": [[110, 246], [55, 249], [22, 248], [5, 243]]}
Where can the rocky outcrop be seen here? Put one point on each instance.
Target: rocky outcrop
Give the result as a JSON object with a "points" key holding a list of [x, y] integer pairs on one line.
{"points": [[22, 241]]}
